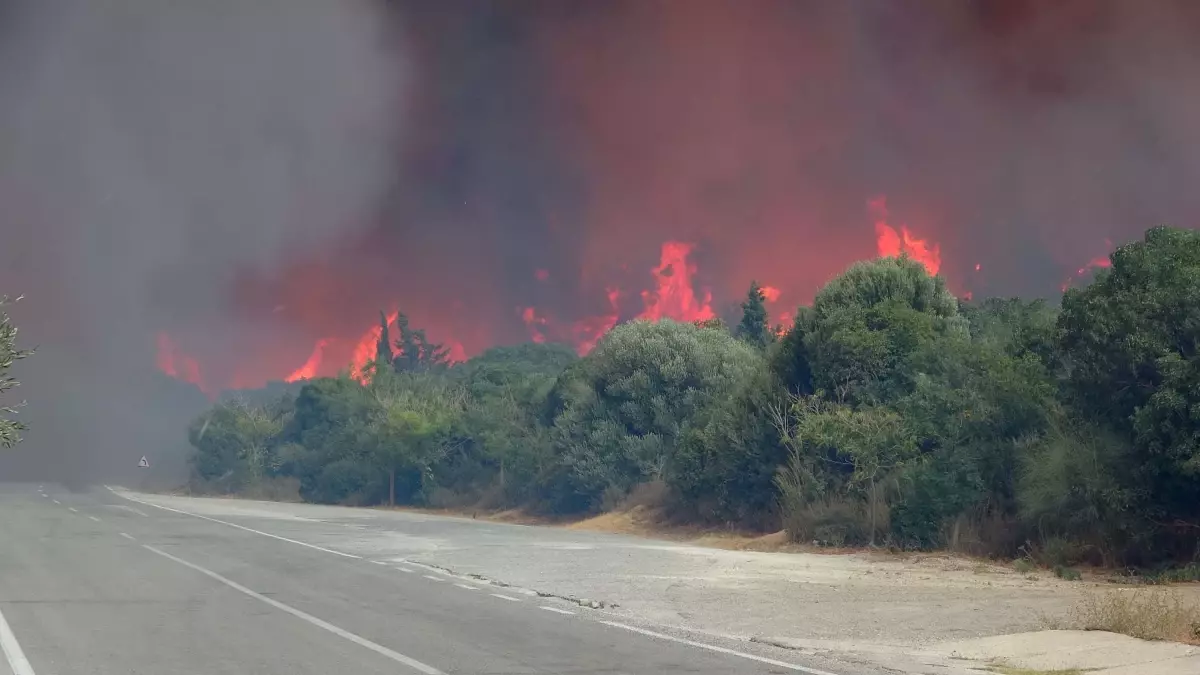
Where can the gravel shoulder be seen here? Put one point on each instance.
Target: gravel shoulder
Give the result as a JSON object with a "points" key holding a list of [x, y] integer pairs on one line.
{"points": [[821, 601]]}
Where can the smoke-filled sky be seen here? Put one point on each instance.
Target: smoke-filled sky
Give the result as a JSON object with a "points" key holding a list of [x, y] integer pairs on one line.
{"points": [[245, 179]]}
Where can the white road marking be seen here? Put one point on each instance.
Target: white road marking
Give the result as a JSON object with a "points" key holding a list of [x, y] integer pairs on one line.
{"points": [[128, 537], [240, 527], [407, 570], [45, 495], [379, 562], [305, 616], [72, 509], [129, 508], [56, 501], [94, 518], [505, 597], [720, 650], [12, 650], [466, 587], [555, 609], [431, 577]]}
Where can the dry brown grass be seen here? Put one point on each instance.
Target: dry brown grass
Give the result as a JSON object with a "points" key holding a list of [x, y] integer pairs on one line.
{"points": [[1146, 613], [1009, 670]]}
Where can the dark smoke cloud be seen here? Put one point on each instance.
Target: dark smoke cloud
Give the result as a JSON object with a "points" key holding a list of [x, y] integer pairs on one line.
{"points": [[210, 171], [577, 137], [155, 152]]}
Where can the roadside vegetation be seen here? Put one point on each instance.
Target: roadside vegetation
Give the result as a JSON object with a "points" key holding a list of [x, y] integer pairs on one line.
{"points": [[889, 414], [10, 429], [1145, 613]]}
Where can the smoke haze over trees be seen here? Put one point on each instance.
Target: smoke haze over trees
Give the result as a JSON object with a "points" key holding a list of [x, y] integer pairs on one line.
{"points": [[231, 188]]}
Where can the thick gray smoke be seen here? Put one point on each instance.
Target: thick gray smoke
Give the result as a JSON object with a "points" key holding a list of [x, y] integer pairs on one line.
{"points": [[153, 153]]}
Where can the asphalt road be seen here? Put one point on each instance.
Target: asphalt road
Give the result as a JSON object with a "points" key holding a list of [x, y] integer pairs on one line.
{"points": [[92, 583]]}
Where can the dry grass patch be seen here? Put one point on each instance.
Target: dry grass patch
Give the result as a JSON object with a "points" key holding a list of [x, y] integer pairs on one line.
{"points": [[1009, 670], [1145, 613]]}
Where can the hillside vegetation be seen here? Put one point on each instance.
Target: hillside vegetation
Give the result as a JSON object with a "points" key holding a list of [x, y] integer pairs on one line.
{"points": [[890, 413]]}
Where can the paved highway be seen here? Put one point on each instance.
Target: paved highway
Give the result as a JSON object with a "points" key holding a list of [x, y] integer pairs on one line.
{"points": [[93, 583]]}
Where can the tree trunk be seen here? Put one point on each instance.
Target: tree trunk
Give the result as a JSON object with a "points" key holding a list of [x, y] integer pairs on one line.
{"points": [[392, 487]]}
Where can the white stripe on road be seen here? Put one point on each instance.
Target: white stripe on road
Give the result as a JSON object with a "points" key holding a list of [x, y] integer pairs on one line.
{"points": [[72, 509], [405, 569], [44, 494], [94, 518], [12, 650], [555, 609], [714, 648], [240, 527], [505, 597], [56, 501], [431, 577], [128, 537], [319, 623], [466, 587]]}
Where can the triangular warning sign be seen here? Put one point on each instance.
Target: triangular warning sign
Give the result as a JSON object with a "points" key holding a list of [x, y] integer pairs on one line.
{"points": [[144, 463]]}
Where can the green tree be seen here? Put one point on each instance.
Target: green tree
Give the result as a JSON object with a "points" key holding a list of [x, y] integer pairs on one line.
{"points": [[414, 352], [753, 326], [621, 410], [866, 323], [508, 387], [10, 429], [235, 442], [1130, 346], [413, 427]]}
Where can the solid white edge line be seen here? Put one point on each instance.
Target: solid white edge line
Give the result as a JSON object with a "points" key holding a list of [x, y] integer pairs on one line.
{"points": [[240, 527], [714, 648], [505, 597], [559, 611], [305, 616], [12, 650]]}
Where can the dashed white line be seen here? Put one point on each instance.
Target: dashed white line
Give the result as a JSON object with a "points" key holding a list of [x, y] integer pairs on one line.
{"points": [[379, 562], [72, 509], [714, 648], [406, 570], [128, 537], [304, 616], [557, 610], [240, 527], [94, 518], [431, 577], [12, 650], [44, 494], [505, 597], [466, 587], [56, 501]]}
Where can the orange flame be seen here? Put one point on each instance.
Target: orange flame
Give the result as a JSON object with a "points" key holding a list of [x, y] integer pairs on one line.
{"points": [[367, 348], [309, 370], [675, 298], [892, 243], [770, 293]]}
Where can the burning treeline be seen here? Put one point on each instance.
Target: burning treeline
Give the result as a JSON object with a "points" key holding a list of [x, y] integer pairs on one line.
{"points": [[674, 296], [565, 169]]}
